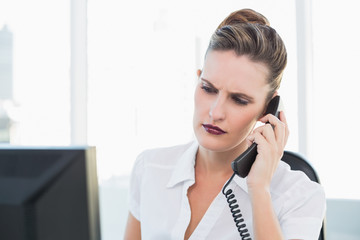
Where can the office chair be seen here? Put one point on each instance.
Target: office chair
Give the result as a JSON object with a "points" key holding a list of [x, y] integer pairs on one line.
{"points": [[299, 162]]}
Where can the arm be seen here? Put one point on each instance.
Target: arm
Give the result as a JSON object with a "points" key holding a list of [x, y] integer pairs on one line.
{"points": [[271, 143], [303, 213], [132, 231], [133, 227], [265, 221]]}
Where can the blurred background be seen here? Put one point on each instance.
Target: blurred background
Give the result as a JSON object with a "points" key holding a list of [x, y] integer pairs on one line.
{"points": [[120, 75]]}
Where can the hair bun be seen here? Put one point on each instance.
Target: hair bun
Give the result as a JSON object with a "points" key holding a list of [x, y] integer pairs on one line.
{"points": [[245, 16]]}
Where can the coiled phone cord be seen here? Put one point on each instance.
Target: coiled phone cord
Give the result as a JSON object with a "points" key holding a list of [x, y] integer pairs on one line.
{"points": [[235, 210]]}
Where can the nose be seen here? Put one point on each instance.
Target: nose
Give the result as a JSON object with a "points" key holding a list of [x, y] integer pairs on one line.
{"points": [[217, 109]]}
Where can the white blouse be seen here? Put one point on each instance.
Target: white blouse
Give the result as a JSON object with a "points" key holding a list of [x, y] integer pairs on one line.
{"points": [[158, 199]]}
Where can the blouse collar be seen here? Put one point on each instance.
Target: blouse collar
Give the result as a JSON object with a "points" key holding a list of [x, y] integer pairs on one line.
{"points": [[185, 169]]}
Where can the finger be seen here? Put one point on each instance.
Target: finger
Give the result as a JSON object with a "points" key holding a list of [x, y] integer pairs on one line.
{"points": [[259, 139], [283, 119], [280, 128], [268, 133], [250, 140], [277, 124], [269, 118]]}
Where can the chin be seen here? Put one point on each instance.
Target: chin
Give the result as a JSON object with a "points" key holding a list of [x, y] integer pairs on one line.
{"points": [[214, 143]]}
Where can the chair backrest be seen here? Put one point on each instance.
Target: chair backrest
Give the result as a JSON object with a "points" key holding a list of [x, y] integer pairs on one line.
{"points": [[299, 162]]}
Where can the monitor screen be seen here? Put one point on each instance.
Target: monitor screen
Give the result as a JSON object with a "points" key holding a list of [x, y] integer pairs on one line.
{"points": [[49, 193]]}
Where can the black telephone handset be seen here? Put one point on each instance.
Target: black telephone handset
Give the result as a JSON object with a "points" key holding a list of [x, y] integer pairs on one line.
{"points": [[242, 164]]}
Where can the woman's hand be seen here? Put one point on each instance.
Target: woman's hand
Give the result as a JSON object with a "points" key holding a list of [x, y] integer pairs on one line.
{"points": [[271, 140]]}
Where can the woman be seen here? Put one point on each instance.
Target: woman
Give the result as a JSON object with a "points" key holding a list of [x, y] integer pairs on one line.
{"points": [[176, 192]]}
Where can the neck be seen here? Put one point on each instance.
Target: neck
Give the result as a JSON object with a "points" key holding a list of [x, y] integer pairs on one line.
{"points": [[216, 163]]}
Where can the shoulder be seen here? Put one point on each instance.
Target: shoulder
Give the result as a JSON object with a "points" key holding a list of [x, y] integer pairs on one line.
{"points": [[157, 162], [165, 156], [299, 202], [292, 183], [294, 193]]}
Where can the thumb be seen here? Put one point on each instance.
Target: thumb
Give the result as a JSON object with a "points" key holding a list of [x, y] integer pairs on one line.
{"points": [[250, 140]]}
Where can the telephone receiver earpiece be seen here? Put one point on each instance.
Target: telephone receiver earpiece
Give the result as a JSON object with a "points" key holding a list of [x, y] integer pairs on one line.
{"points": [[242, 164]]}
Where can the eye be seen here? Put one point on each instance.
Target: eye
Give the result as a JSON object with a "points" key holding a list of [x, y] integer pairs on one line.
{"points": [[239, 100], [208, 89]]}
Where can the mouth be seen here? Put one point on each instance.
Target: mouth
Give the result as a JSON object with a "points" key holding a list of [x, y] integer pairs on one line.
{"points": [[213, 129]]}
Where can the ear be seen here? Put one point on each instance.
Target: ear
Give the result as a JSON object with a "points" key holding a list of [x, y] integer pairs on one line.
{"points": [[275, 94], [198, 73]]}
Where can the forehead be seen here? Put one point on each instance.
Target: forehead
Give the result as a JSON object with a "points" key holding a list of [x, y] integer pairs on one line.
{"points": [[226, 69]]}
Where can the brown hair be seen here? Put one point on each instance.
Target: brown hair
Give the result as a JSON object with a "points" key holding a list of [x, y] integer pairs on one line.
{"points": [[248, 32]]}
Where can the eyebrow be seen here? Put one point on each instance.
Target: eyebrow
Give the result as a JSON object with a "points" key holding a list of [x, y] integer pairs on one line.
{"points": [[251, 99]]}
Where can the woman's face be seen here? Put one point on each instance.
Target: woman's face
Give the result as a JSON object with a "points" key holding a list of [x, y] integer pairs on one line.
{"points": [[229, 99]]}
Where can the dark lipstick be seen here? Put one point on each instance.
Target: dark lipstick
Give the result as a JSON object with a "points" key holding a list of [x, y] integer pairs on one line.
{"points": [[213, 129]]}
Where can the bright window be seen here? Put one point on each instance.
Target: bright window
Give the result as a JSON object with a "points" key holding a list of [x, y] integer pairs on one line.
{"points": [[336, 97], [35, 38]]}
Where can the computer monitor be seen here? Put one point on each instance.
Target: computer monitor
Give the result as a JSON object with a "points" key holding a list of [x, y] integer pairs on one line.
{"points": [[48, 193]]}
